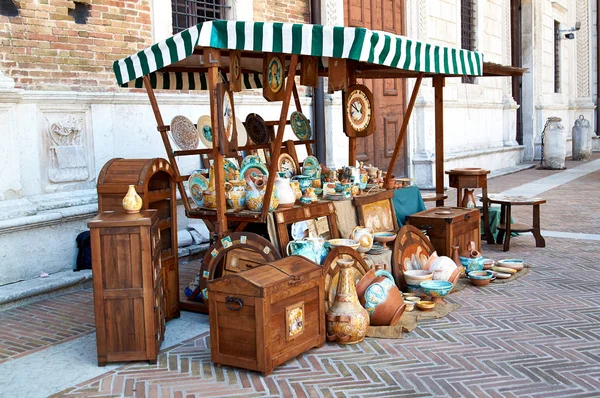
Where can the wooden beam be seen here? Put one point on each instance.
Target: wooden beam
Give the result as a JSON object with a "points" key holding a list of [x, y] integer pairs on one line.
{"points": [[279, 137], [297, 99], [403, 129], [438, 85], [165, 139], [351, 150], [211, 60]]}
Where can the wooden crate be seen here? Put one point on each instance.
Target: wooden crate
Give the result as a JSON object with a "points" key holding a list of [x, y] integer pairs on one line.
{"points": [[155, 182], [128, 290], [445, 230], [262, 317]]}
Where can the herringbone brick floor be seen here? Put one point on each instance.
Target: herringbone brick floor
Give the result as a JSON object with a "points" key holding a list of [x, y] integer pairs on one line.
{"points": [[538, 336]]}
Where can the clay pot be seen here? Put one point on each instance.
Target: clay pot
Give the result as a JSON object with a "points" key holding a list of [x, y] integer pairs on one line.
{"points": [[468, 199], [378, 293], [471, 251], [347, 320]]}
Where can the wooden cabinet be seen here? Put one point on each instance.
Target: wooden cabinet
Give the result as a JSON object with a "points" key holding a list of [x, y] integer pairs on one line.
{"points": [[448, 226], [265, 316], [154, 182], [128, 288]]}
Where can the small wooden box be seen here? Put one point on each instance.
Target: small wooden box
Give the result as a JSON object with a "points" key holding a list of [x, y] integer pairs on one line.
{"points": [[445, 230], [262, 317]]}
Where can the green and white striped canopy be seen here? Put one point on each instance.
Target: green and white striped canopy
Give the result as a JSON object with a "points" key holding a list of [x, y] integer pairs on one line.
{"points": [[359, 44]]}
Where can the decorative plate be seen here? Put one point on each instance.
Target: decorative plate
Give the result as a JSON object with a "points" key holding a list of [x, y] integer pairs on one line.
{"points": [[197, 183], [251, 159], [311, 161], [253, 170], [230, 167], [300, 126], [287, 165], [275, 74], [184, 133], [241, 132], [411, 251], [205, 130], [257, 129], [351, 243], [227, 116]]}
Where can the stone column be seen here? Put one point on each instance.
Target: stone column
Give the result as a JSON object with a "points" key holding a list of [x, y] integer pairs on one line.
{"points": [[529, 48]]}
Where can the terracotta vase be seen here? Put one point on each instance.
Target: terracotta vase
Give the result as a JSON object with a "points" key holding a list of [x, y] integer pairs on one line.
{"points": [[347, 320], [132, 202], [468, 199]]}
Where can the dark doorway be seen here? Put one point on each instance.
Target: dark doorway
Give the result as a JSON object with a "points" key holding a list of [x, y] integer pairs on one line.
{"points": [[515, 32]]}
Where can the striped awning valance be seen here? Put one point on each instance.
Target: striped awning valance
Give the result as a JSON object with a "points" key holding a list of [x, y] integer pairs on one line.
{"points": [[359, 44], [192, 81]]}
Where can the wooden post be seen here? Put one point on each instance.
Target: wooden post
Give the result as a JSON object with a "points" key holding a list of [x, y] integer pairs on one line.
{"points": [[351, 150], [211, 60], [289, 85], [297, 99], [403, 129], [438, 85], [163, 134]]}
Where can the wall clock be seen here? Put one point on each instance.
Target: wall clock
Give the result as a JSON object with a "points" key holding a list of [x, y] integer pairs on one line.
{"points": [[359, 110]]}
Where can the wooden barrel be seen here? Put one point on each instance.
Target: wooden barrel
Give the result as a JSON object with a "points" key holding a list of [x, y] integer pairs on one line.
{"points": [[154, 181]]}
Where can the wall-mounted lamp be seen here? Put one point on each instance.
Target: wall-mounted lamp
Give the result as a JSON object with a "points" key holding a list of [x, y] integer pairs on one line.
{"points": [[570, 32]]}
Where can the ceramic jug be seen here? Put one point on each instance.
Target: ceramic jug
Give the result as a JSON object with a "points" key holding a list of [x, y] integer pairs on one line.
{"points": [[132, 202], [255, 194], [287, 197], [383, 300], [210, 195], [235, 194], [364, 236], [311, 248], [347, 320], [296, 188], [468, 199], [304, 181]]}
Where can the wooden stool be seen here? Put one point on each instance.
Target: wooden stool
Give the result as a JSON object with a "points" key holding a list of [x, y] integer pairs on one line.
{"points": [[472, 178], [506, 228]]}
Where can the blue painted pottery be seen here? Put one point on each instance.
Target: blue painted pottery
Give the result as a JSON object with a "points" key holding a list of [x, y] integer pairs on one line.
{"points": [[472, 264], [481, 274], [436, 289], [304, 181]]}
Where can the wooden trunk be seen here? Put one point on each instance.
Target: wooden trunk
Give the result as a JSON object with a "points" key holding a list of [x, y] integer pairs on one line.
{"points": [[262, 317], [154, 181], [445, 230], [128, 290]]}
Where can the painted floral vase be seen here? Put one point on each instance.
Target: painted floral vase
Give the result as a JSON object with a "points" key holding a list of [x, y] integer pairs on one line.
{"points": [[255, 195], [132, 202], [347, 320], [235, 194], [209, 194]]}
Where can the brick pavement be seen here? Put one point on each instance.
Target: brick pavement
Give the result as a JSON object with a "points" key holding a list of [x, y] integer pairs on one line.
{"points": [[537, 336]]}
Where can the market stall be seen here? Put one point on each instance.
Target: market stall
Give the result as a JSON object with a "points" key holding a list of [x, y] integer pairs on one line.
{"points": [[223, 57]]}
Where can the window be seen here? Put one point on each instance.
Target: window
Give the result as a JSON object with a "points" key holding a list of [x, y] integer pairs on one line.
{"points": [[467, 30], [187, 13], [556, 57]]}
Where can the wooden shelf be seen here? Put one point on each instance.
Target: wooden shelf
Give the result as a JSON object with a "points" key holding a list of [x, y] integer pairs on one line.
{"points": [[159, 194], [434, 197]]}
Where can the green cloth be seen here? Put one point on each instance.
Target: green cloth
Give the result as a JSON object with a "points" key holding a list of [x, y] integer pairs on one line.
{"points": [[407, 201], [494, 215]]}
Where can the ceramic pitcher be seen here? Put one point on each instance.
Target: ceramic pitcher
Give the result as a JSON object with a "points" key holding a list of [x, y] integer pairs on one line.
{"points": [[311, 248], [364, 236], [287, 197], [235, 194], [255, 194]]}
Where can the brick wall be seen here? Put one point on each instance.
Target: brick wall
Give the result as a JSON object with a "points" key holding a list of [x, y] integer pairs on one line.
{"points": [[282, 10], [44, 49]]}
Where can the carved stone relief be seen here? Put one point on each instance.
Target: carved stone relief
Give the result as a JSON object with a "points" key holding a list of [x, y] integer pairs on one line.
{"points": [[67, 148]]}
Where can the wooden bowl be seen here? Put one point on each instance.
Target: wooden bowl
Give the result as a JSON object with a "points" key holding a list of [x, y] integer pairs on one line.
{"points": [[425, 305]]}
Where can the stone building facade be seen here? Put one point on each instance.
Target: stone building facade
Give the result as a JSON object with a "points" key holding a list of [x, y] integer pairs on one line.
{"points": [[63, 116]]}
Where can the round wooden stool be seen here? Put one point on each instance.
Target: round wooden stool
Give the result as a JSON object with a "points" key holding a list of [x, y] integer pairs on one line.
{"points": [[505, 227]]}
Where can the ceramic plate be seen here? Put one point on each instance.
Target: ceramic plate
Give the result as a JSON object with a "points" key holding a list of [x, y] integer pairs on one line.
{"points": [[311, 161], [344, 242], [241, 132], [184, 133], [230, 167], [300, 126], [257, 129], [205, 131], [197, 183], [287, 165], [251, 171]]}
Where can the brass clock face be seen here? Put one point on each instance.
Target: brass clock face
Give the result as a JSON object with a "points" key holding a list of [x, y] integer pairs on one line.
{"points": [[359, 109]]}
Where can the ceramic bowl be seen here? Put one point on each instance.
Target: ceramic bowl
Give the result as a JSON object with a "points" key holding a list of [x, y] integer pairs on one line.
{"points": [[344, 242], [384, 237], [511, 263], [425, 305], [412, 299], [414, 278], [480, 278], [436, 289], [472, 264], [409, 306], [318, 191], [488, 263]]}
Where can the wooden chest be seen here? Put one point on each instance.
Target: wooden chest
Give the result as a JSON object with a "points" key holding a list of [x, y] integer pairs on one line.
{"points": [[154, 181], [128, 290], [262, 317], [459, 227]]}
